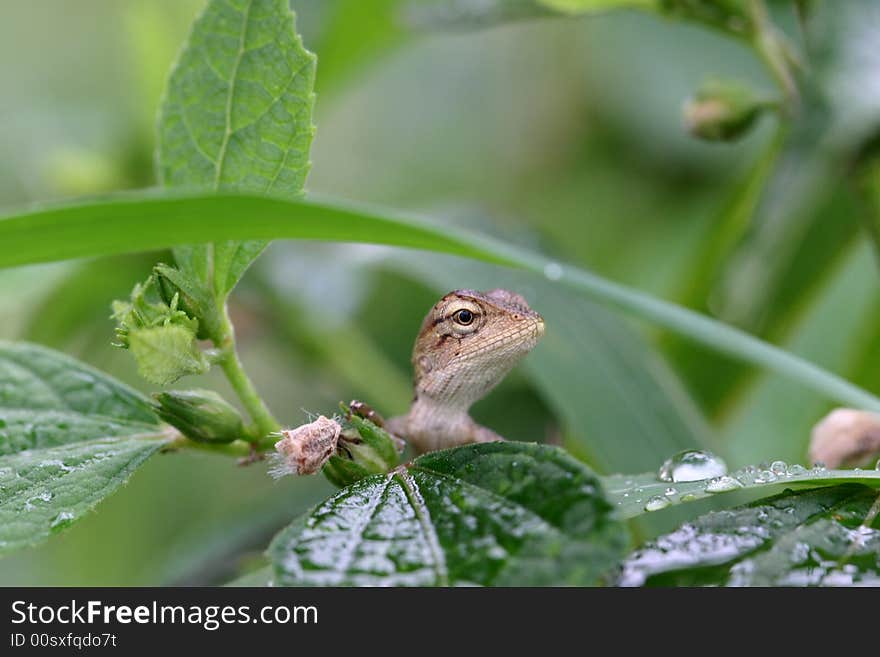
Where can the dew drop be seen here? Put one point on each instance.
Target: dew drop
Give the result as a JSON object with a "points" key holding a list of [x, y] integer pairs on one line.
{"points": [[766, 477], [877, 465], [692, 465], [796, 470], [723, 484], [669, 492], [779, 467], [553, 271], [63, 518], [656, 503]]}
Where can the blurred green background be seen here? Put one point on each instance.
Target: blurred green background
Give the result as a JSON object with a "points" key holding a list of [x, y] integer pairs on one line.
{"points": [[562, 134]]}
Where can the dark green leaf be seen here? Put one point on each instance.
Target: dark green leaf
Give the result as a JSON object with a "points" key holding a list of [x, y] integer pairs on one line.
{"points": [[45, 490], [237, 114], [488, 514], [69, 436], [48, 399], [814, 537]]}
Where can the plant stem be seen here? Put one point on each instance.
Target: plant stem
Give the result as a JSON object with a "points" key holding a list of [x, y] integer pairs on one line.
{"points": [[241, 383], [769, 44]]}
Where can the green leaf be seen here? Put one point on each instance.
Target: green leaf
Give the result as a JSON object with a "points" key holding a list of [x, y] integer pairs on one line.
{"points": [[153, 222], [43, 491], [48, 399], [488, 514], [813, 537], [237, 114], [477, 13], [166, 353], [632, 493], [69, 436]]}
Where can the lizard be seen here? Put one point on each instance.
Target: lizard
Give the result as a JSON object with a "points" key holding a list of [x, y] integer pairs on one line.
{"points": [[466, 345]]}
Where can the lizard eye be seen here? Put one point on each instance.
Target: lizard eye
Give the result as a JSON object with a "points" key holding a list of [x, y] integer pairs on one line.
{"points": [[464, 317]]}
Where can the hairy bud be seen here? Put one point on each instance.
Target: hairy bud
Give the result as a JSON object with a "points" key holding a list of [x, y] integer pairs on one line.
{"points": [[845, 437], [305, 450]]}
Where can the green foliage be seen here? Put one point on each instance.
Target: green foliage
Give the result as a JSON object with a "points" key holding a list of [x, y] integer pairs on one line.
{"points": [[235, 133], [69, 436], [43, 491], [496, 513], [237, 115], [814, 537], [634, 495], [35, 237]]}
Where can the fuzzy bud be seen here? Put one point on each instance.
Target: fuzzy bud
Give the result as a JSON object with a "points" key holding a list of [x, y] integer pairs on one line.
{"points": [[845, 437], [305, 450]]}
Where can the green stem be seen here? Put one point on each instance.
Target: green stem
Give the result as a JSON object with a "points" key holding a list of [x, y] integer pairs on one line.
{"points": [[769, 44], [241, 383]]}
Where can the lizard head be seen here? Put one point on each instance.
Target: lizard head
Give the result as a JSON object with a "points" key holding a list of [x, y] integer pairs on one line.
{"points": [[469, 341]]}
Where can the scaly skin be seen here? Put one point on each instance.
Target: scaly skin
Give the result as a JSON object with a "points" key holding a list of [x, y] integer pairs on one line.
{"points": [[468, 343]]}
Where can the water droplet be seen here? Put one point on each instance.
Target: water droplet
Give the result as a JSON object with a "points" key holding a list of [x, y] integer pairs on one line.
{"points": [[62, 519], [722, 484], [553, 271], [692, 465], [688, 497], [779, 467], [669, 492], [818, 466], [796, 470], [877, 465], [765, 477], [656, 503]]}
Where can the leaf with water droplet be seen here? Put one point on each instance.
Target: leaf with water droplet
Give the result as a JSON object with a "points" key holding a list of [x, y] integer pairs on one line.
{"points": [[70, 436], [36, 501], [621, 489], [811, 537], [499, 513], [691, 465], [49, 399]]}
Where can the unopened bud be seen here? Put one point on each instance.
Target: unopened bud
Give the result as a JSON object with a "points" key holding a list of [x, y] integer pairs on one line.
{"points": [[200, 415], [364, 448], [845, 437], [305, 450], [179, 291], [722, 111]]}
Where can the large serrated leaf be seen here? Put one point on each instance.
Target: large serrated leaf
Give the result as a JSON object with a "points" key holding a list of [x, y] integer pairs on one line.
{"points": [[489, 514], [69, 436], [814, 537], [237, 114], [44, 491], [48, 399]]}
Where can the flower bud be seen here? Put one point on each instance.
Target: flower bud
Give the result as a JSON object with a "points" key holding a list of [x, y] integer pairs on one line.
{"points": [[200, 415], [180, 292], [305, 450], [364, 448], [845, 437], [722, 111]]}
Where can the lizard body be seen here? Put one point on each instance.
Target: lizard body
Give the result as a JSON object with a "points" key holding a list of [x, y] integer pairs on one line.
{"points": [[467, 344]]}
